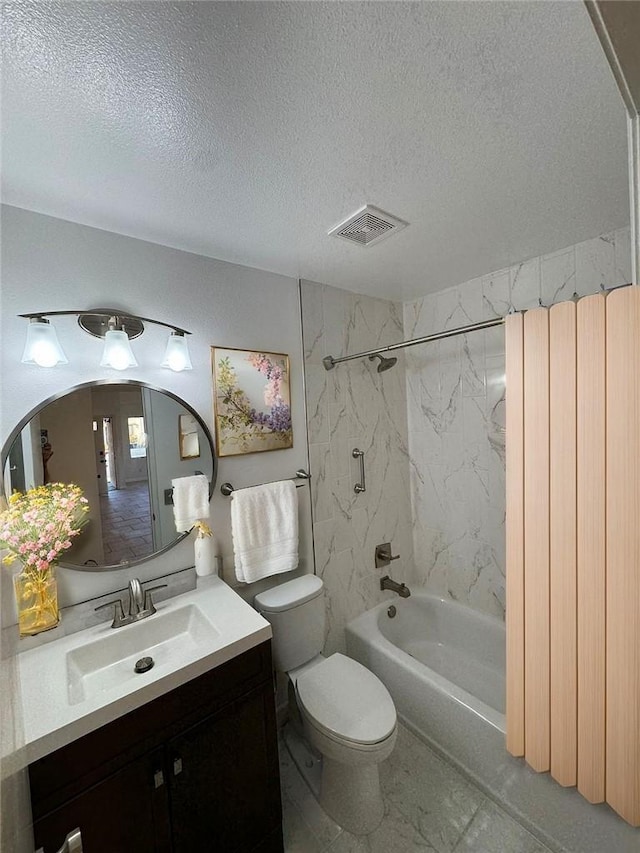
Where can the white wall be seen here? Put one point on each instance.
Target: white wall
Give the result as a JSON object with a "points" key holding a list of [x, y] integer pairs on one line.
{"points": [[50, 264], [456, 398]]}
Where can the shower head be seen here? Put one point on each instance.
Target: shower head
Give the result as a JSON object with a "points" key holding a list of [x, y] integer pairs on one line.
{"points": [[385, 363]]}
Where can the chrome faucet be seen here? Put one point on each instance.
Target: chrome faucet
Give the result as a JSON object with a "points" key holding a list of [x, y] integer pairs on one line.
{"points": [[140, 604], [136, 602], [402, 590]]}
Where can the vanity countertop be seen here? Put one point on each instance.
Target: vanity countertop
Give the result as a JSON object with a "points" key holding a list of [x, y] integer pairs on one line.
{"points": [[57, 711]]}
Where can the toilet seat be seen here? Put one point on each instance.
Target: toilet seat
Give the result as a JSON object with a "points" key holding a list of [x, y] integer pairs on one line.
{"points": [[347, 702]]}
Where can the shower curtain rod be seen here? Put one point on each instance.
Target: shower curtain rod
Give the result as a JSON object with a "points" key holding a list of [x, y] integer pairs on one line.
{"points": [[330, 362]]}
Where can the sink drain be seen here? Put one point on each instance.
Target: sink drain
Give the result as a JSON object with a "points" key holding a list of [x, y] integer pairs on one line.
{"points": [[143, 665]]}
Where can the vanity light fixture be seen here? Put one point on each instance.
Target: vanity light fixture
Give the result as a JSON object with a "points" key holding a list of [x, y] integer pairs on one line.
{"points": [[42, 346], [176, 356], [117, 351], [114, 328]]}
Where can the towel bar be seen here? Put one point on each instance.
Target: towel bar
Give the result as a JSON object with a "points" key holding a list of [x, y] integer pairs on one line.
{"points": [[301, 474]]}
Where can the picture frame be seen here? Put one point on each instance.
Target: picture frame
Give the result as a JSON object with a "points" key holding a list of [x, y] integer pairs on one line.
{"points": [[188, 439], [252, 401]]}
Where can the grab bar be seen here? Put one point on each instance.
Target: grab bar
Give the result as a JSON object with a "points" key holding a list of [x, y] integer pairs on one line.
{"points": [[227, 489], [362, 485]]}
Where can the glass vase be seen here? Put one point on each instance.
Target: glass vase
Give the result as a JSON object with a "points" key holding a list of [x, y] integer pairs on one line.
{"points": [[37, 601]]}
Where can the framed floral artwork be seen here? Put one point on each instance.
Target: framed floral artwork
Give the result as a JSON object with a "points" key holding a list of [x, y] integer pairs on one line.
{"points": [[252, 401]]}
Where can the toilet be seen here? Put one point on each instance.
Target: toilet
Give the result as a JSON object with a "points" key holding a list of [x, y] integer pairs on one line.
{"points": [[347, 714]]}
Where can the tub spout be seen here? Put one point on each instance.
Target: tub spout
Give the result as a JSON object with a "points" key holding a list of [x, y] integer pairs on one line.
{"points": [[402, 590]]}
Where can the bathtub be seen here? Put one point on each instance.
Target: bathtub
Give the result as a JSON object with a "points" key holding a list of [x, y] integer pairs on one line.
{"points": [[444, 665]]}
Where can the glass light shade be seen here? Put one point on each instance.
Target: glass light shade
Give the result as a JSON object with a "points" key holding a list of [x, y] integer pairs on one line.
{"points": [[42, 347], [117, 351], [176, 355]]}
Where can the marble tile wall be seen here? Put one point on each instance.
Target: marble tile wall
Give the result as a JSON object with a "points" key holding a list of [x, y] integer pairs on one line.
{"points": [[355, 406], [455, 405]]}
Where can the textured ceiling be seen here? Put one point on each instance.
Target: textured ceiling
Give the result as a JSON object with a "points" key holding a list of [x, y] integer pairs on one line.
{"points": [[246, 130]]}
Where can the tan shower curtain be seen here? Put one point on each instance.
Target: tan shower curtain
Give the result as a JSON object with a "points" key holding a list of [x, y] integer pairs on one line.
{"points": [[573, 545]]}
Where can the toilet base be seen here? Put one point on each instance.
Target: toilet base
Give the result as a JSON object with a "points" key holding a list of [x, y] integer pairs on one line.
{"points": [[349, 795], [307, 760], [352, 796]]}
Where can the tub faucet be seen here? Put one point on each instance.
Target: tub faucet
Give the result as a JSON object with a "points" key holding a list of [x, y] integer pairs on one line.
{"points": [[402, 590]]}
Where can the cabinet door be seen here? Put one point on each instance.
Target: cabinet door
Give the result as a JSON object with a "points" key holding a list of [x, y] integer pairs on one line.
{"points": [[225, 786], [125, 813]]}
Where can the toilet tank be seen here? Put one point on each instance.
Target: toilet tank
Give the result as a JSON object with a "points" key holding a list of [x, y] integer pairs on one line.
{"points": [[296, 612]]}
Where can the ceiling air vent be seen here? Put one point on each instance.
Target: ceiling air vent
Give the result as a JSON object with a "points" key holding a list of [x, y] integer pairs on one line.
{"points": [[367, 226]]}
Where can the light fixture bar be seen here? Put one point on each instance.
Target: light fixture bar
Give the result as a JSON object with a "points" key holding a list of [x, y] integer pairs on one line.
{"points": [[104, 312], [115, 328]]}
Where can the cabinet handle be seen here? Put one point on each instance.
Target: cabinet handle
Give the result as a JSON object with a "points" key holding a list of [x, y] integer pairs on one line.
{"points": [[158, 779], [177, 766], [72, 843]]}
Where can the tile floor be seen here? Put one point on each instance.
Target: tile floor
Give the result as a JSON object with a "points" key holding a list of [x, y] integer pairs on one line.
{"points": [[429, 806], [126, 523]]}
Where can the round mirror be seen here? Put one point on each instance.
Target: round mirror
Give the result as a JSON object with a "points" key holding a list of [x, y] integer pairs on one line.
{"points": [[122, 443]]}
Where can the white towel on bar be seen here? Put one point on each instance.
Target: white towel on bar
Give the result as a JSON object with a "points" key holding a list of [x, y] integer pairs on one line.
{"points": [[264, 524], [190, 501]]}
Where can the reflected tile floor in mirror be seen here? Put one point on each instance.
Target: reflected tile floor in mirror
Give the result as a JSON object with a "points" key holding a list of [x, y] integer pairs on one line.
{"points": [[429, 806], [126, 523]]}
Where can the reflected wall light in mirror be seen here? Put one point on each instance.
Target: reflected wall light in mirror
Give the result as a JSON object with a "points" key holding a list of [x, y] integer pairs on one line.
{"points": [[113, 327]]}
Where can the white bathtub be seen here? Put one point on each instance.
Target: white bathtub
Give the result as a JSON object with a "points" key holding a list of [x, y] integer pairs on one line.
{"points": [[443, 663]]}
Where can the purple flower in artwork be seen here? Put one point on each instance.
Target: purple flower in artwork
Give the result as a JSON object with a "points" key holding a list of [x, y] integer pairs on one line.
{"points": [[278, 419]]}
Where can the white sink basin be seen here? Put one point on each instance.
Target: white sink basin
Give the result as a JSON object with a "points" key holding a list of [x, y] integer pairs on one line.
{"points": [[78, 682], [109, 661]]}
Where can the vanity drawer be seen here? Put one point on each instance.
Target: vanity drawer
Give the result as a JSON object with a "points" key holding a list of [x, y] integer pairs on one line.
{"points": [[69, 771]]}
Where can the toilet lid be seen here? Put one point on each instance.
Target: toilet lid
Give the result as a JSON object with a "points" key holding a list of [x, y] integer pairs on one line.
{"points": [[347, 700]]}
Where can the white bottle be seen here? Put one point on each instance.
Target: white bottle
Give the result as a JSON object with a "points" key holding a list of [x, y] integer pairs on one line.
{"points": [[204, 555]]}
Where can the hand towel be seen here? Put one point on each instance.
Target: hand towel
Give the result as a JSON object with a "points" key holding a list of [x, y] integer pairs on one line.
{"points": [[190, 501], [264, 524]]}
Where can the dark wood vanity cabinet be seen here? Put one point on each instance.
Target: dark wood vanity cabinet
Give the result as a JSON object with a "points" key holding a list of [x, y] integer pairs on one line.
{"points": [[194, 770]]}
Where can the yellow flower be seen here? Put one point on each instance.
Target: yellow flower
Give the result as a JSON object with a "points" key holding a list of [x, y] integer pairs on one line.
{"points": [[203, 529]]}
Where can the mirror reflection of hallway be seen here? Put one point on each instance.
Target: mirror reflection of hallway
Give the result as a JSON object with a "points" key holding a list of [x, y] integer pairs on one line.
{"points": [[121, 443], [121, 446], [126, 522]]}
